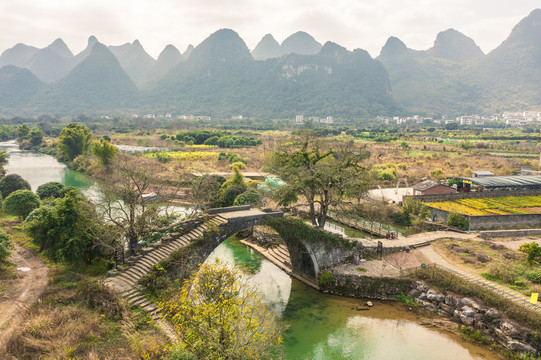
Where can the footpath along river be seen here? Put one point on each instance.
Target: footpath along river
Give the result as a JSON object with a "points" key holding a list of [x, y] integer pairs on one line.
{"points": [[320, 326]]}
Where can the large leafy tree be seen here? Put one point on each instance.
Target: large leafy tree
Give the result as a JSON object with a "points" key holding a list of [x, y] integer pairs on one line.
{"points": [[69, 229], [51, 189], [323, 175], [21, 203], [74, 140], [11, 183], [218, 315]]}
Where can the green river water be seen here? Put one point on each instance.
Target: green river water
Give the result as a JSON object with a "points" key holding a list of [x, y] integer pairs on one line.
{"points": [[320, 326]]}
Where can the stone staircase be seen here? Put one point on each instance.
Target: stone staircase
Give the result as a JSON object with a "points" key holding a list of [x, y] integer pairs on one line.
{"points": [[279, 256], [126, 283]]}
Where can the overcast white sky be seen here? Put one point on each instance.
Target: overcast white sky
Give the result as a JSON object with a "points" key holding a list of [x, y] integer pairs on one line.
{"points": [[362, 24]]}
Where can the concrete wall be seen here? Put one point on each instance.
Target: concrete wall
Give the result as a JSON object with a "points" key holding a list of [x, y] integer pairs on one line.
{"points": [[493, 222], [477, 195]]}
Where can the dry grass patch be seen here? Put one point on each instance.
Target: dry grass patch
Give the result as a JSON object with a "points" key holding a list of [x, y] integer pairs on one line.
{"points": [[83, 321], [496, 263]]}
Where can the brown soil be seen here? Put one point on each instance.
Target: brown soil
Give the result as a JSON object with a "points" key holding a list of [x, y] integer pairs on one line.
{"points": [[22, 290]]}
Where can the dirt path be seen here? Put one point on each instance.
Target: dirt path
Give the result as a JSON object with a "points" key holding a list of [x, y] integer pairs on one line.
{"points": [[22, 291]]}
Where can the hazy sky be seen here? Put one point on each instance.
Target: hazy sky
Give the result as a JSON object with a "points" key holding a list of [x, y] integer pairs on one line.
{"points": [[362, 24]]}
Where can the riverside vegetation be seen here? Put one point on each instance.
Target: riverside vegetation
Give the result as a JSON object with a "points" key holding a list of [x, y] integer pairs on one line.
{"points": [[82, 250]]}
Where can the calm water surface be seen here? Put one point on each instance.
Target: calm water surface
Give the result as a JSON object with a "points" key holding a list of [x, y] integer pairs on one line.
{"points": [[326, 327], [320, 327], [39, 169]]}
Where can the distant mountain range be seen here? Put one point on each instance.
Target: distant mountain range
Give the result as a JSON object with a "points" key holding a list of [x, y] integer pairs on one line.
{"points": [[221, 77]]}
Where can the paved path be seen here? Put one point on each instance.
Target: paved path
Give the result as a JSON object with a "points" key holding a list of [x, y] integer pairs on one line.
{"points": [[418, 240], [516, 297]]}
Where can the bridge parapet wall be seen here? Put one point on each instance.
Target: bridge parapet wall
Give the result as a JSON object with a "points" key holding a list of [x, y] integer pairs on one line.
{"points": [[229, 209]]}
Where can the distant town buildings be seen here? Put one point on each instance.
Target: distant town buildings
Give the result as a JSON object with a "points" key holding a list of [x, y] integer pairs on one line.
{"points": [[299, 119], [510, 118]]}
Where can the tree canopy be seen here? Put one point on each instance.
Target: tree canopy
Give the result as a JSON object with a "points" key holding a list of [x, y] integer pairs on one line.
{"points": [[126, 185], [218, 315], [51, 189], [74, 140], [11, 183], [322, 174], [105, 151], [21, 203], [69, 229]]}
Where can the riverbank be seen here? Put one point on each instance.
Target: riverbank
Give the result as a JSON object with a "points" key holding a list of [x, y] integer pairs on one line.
{"points": [[326, 326], [461, 315]]}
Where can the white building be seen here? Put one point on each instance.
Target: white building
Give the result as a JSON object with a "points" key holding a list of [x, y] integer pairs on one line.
{"points": [[299, 119], [327, 120], [236, 117]]}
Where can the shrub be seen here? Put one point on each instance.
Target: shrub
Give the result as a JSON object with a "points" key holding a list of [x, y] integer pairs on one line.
{"points": [[51, 189], [436, 173], [21, 203], [533, 275], [231, 194], [239, 165], [407, 300], [250, 197], [533, 250], [325, 278], [385, 175], [11, 183], [6, 245], [459, 221]]}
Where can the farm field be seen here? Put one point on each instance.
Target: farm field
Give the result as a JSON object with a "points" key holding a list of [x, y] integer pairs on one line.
{"points": [[492, 206]]}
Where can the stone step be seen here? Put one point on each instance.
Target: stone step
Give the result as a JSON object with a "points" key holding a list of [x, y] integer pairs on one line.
{"points": [[161, 253], [124, 283], [141, 302], [169, 247], [154, 257], [136, 269], [133, 276], [129, 279], [137, 298]]}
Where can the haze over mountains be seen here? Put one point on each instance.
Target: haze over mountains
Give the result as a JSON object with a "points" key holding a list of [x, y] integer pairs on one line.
{"points": [[221, 77]]}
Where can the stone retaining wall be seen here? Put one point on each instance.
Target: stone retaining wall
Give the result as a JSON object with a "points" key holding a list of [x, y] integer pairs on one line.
{"points": [[474, 315], [266, 237], [508, 233], [366, 286]]}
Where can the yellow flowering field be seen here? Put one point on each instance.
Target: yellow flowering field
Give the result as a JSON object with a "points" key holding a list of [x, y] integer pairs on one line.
{"points": [[185, 155], [490, 206]]}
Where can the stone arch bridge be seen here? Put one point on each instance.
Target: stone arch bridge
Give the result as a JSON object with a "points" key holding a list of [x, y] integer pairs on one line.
{"points": [[308, 258]]}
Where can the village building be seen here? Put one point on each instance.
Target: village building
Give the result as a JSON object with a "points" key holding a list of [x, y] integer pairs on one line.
{"points": [[429, 187]]}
